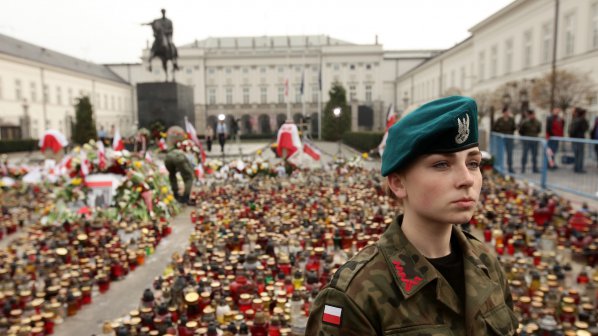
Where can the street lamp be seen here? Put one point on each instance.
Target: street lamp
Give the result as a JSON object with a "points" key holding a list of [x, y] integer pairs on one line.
{"points": [[337, 113], [221, 117]]}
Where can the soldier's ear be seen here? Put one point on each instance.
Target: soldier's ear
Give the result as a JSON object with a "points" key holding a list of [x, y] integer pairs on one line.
{"points": [[396, 185]]}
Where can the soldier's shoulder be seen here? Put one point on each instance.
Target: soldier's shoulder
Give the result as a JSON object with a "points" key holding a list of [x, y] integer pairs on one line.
{"points": [[343, 277]]}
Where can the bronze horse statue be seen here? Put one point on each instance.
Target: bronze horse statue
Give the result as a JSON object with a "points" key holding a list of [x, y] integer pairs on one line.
{"points": [[163, 47]]}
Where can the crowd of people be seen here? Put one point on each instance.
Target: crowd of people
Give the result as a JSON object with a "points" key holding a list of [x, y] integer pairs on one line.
{"points": [[530, 127]]}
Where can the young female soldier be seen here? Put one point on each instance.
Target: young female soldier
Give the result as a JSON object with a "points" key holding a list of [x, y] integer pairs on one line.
{"points": [[424, 276]]}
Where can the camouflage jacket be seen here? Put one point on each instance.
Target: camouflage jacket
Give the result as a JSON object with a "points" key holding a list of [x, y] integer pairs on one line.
{"points": [[389, 288], [505, 126], [176, 161]]}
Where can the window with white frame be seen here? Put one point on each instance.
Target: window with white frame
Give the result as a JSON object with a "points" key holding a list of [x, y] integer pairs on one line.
{"points": [[245, 95], [463, 74], [18, 90], [280, 69], [58, 95], [481, 65], [569, 34], [546, 42], [211, 71], [33, 91], [594, 23], [281, 94], [336, 67], [527, 49], [46, 93], [508, 56], [262, 69], [245, 70], [493, 61], [263, 95], [212, 96], [352, 92], [229, 95], [228, 70], [368, 93]]}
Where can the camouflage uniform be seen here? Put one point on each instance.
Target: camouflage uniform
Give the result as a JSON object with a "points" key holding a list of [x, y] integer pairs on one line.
{"points": [[176, 161], [389, 288]]}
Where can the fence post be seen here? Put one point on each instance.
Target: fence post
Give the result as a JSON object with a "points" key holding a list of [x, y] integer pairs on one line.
{"points": [[544, 172]]}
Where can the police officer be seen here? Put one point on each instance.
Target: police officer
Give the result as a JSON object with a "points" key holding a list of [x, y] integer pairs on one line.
{"points": [[177, 162], [424, 276]]}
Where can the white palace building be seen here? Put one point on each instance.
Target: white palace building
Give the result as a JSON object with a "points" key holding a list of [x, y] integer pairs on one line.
{"points": [[254, 79]]}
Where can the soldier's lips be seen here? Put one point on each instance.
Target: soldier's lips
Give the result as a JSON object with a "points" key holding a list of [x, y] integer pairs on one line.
{"points": [[465, 202]]}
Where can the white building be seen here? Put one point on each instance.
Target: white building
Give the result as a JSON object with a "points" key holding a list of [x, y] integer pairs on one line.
{"points": [[253, 78], [513, 45], [40, 86]]}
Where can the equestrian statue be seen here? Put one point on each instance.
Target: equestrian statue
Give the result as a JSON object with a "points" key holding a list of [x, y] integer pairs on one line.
{"points": [[163, 47]]}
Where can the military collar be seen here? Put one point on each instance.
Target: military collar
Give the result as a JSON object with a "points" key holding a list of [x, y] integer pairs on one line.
{"points": [[412, 271]]}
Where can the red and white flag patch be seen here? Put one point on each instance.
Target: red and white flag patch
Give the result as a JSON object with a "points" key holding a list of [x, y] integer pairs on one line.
{"points": [[332, 315]]}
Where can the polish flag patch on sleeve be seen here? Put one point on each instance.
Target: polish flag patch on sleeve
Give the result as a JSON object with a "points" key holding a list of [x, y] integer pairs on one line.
{"points": [[332, 315]]}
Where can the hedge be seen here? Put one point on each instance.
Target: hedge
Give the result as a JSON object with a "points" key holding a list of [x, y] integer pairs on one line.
{"points": [[21, 145], [363, 141]]}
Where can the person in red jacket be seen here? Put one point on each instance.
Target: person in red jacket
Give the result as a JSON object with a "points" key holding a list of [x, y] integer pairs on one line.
{"points": [[555, 127]]}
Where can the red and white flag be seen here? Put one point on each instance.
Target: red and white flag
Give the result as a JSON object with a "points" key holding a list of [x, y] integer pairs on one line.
{"points": [[332, 315], [312, 151], [391, 119], [117, 143], [199, 172], [101, 155], [148, 157], [193, 136], [162, 144], [84, 164]]}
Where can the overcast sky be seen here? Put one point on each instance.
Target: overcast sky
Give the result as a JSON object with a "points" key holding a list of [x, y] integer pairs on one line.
{"points": [[109, 31]]}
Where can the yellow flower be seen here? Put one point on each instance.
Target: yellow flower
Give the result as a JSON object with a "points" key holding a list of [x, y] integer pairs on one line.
{"points": [[170, 197], [166, 201], [365, 155], [259, 152], [139, 189], [164, 190], [138, 164], [76, 181]]}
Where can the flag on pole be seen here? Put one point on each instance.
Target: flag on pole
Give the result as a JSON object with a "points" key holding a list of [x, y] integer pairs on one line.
{"points": [[117, 143], [84, 163], [286, 87], [193, 136], [391, 118]]}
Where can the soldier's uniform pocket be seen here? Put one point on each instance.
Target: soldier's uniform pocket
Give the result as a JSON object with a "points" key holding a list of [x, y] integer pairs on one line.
{"points": [[427, 330], [501, 321]]}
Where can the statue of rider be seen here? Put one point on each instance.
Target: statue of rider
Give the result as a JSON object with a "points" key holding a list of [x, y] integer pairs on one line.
{"points": [[163, 26]]}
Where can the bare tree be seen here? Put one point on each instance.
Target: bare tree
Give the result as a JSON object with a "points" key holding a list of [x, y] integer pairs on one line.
{"points": [[572, 89]]}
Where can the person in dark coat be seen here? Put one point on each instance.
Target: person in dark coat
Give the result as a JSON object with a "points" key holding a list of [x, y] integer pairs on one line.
{"points": [[578, 128]]}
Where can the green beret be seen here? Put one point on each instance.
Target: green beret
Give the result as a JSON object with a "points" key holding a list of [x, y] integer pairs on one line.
{"points": [[445, 125]]}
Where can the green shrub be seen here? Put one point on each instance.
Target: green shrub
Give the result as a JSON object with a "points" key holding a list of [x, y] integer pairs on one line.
{"points": [[363, 141], [21, 145]]}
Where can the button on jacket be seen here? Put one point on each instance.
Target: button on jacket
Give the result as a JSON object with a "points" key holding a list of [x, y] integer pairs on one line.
{"points": [[389, 288]]}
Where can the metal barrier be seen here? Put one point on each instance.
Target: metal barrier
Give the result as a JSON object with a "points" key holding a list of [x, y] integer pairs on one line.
{"points": [[567, 164]]}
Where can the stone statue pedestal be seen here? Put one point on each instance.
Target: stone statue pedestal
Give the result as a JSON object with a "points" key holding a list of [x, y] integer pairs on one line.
{"points": [[166, 102]]}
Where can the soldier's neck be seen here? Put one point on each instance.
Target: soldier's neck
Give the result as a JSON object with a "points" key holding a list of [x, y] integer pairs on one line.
{"points": [[432, 240]]}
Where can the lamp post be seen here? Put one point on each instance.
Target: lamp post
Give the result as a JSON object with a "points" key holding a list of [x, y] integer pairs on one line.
{"points": [[337, 113], [221, 118]]}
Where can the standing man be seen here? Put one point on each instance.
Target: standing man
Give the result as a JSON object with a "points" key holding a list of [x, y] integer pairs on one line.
{"points": [[209, 137], [222, 132], [578, 128], [555, 126], [594, 136], [530, 127], [506, 125]]}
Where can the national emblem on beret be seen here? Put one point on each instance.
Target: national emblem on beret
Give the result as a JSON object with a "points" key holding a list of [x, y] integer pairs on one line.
{"points": [[463, 131]]}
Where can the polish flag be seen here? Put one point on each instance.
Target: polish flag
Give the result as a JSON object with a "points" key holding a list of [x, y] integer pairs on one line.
{"points": [[199, 172], [311, 151], [332, 315], [162, 144], [117, 143], [288, 140], [84, 164], [391, 119]]}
